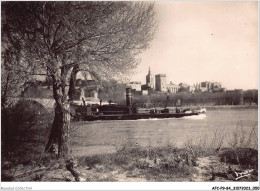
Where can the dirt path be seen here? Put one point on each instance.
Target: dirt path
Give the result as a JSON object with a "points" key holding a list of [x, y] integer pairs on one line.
{"points": [[207, 168]]}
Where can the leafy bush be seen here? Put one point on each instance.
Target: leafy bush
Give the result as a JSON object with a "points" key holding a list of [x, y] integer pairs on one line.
{"points": [[25, 129], [247, 157]]}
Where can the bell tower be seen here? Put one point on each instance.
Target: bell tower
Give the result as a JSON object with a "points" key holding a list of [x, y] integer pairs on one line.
{"points": [[150, 79]]}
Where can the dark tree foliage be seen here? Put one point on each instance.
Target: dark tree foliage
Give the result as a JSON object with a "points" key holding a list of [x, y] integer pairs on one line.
{"points": [[58, 39]]}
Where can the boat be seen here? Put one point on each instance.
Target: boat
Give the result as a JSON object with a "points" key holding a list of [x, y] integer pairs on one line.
{"points": [[130, 111], [136, 116]]}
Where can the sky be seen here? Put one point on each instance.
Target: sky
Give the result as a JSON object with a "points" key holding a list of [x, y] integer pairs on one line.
{"points": [[204, 41]]}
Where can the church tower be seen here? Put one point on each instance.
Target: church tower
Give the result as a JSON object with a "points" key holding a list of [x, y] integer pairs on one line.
{"points": [[150, 79]]}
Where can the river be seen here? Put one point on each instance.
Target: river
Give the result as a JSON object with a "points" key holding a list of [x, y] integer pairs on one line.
{"points": [[105, 136]]}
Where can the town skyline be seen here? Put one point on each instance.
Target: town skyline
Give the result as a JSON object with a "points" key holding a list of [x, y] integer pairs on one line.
{"points": [[204, 41], [195, 84], [158, 82]]}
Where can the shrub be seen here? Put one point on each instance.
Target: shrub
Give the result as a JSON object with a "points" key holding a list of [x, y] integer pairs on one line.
{"points": [[25, 129], [247, 157]]}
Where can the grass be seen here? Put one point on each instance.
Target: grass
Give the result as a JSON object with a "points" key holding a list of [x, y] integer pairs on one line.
{"points": [[132, 162], [154, 163], [169, 163]]}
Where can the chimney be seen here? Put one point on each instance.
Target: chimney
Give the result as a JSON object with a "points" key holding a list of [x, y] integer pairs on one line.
{"points": [[128, 97]]}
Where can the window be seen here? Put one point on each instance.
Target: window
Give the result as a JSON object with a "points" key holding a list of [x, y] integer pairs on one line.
{"points": [[203, 84]]}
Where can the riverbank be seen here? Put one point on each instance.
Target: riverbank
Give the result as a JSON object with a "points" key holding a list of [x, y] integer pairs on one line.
{"points": [[196, 161], [224, 107], [132, 163]]}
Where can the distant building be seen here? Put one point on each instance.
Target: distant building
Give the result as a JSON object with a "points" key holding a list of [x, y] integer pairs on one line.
{"points": [[210, 87], [145, 87], [184, 87], [216, 87], [89, 86], [192, 88], [86, 91], [205, 86], [172, 88], [160, 83], [134, 85], [150, 80]]}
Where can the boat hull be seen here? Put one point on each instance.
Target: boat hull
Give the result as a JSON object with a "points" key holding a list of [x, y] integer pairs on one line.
{"points": [[137, 116]]}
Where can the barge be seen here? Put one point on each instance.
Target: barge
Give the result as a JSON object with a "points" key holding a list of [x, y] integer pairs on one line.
{"points": [[136, 116], [130, 111]]}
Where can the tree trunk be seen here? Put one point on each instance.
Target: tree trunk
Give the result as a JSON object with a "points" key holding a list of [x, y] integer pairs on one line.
{"points": [[64, 127], [60, 132], [59, 136]]}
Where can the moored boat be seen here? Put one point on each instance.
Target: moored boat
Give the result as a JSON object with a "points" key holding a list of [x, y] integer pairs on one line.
{"points": [[131, 112]]}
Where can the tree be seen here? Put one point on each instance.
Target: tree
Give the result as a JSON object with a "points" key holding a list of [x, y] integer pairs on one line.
{"points": [[12, 80], [57, 39]]}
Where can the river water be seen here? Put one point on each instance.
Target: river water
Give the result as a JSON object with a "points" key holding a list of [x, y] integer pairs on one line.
{"points": [[104, 136]]}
